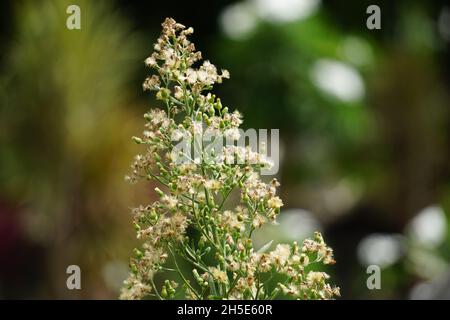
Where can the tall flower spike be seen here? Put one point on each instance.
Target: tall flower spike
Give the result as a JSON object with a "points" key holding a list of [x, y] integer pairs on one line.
{"points": [[193, 194]]}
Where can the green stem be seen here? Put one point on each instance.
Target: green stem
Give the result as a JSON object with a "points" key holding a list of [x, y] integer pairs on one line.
{"points": [[186, 282]]}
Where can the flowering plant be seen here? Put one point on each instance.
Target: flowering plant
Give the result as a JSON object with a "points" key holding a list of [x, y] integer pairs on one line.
{"points": [[192, 220]]}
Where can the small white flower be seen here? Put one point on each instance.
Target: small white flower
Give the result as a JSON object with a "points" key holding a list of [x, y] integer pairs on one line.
{"points": [[219, 275], [191, 76], [225, 74], [202, 75], [280, 255], [213, 185], [170, 201], [150, 61], [178, 93], [275, 203]]}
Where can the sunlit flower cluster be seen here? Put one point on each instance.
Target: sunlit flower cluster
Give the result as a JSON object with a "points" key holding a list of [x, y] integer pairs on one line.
{"points": [[194, 221]]}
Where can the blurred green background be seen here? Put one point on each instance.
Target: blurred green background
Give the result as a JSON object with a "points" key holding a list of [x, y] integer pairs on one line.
{"points": [[363, 116]]}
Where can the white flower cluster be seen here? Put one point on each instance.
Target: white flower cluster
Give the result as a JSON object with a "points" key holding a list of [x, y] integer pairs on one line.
{"points": [[195, 193]]}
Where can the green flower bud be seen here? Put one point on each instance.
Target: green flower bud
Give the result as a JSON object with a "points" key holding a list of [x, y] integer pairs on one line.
{"points": [[201, 243], [163, 94], [137, 140], [195, 273], [138, 253], [164, 292], [153, 215], [159, 191], [218, 104]]}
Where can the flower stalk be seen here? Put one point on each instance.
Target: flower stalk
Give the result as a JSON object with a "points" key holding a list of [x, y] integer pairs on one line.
{"points": [[194, 219]]}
